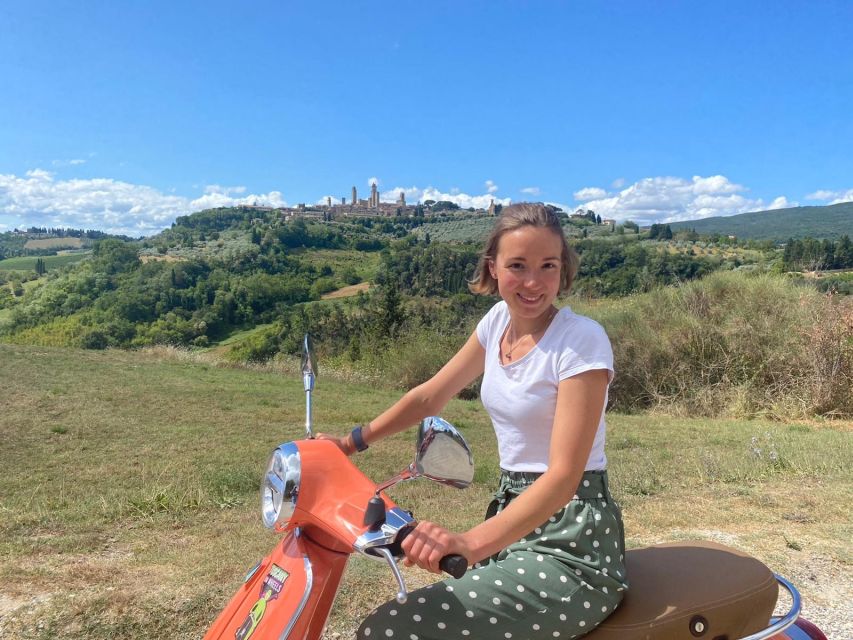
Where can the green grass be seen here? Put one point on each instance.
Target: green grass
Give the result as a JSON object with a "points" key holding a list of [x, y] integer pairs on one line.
{"points": [[364, 263], [129, 492], [28, 263]]}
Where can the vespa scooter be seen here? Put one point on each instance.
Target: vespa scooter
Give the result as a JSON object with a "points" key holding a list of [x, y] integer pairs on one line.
{"points": [[327, 510]]}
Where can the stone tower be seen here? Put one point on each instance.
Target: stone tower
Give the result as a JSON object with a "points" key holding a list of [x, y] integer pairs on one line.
{"points": [[374, 196], [402, 202], [354, 197]]}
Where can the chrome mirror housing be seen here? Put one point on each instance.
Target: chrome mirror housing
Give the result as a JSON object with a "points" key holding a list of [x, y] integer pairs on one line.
{"points": [[442, 454], [309, 373]]}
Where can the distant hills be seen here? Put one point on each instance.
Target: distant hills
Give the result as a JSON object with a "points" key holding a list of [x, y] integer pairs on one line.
{"points": [[830, 222]]}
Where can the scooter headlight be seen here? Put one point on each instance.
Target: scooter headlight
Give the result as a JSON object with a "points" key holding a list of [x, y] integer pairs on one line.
{"points": [[280, 486]]}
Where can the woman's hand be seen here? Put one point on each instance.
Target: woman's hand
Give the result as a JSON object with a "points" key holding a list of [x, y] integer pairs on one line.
{"points": [[428, 543], [344, 443]]}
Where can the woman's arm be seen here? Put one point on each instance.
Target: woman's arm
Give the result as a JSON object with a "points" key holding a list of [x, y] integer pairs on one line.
{"points": [[580, 402], [426, 399]]}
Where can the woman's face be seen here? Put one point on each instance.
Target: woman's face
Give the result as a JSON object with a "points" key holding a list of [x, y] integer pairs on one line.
{"points": [[527, 269]]}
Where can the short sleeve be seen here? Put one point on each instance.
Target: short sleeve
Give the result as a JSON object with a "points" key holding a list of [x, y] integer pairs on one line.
{"points": [[486, 326], [587, 348]]}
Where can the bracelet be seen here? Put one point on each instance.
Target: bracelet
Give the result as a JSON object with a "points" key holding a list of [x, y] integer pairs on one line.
{"points": [[358, 439]]}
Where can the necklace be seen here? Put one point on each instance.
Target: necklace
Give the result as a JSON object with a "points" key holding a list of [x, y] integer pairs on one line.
{"points": [[512, 343]]}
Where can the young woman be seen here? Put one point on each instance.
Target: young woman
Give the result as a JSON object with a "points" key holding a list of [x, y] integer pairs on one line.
{"points": [[549, 556]]}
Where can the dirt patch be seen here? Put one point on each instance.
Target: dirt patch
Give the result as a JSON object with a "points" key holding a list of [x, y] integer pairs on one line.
{"points": [[346, 292], [167, 258]]}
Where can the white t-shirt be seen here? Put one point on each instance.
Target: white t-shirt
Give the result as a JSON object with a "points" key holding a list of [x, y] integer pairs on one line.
{"points": [[521, 397]]}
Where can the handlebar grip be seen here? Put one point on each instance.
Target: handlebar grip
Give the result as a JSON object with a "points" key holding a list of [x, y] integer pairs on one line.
{"points": [[454, 564]]}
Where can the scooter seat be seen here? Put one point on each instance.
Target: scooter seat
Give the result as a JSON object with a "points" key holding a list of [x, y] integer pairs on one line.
{"points": [[691, 590]]}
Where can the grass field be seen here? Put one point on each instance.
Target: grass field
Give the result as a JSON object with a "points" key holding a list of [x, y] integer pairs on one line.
{"points": [[28, 263], [129, 492]]}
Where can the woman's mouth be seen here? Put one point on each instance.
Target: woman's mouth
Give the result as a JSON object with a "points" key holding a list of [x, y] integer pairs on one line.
{"points": [[532, 300]]}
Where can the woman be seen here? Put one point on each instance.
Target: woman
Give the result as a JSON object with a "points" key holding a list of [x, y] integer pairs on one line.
{"points": [[549, 555]]}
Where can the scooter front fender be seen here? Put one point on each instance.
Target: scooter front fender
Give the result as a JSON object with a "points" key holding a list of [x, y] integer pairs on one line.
{"points": [[288, 596]]}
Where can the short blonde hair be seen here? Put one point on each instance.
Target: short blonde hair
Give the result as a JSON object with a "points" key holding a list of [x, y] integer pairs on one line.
{"points": [[514, 217]]}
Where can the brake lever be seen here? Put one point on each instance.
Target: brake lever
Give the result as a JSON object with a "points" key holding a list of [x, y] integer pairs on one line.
{"points": [[402, 594]]}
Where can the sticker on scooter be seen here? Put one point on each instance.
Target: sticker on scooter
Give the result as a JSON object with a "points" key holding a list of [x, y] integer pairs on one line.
{"points": [[270, 589]]}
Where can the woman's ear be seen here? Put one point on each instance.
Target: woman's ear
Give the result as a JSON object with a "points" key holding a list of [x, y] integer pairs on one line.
{"points": [[492, 269]]}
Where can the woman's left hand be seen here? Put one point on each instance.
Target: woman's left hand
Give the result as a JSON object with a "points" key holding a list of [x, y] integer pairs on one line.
{"points": [[428, 543]]}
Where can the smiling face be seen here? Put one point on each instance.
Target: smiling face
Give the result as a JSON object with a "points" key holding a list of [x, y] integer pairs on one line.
{"points": [[527, 269]]}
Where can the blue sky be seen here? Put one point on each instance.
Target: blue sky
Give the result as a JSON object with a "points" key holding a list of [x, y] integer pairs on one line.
{"points": [[122, 115]]}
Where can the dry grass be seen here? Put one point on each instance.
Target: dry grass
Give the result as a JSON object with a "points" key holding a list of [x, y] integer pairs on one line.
{"points": [[129, 510]]}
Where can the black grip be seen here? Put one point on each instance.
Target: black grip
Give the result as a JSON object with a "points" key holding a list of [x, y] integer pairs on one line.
{"points": [[454, 564]]}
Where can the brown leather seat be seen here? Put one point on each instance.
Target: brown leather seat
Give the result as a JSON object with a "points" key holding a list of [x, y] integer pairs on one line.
{"points": [[691, 590]]}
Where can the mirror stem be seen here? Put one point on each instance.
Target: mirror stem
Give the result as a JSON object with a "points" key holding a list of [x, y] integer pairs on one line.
{"points": [[308, 383]]}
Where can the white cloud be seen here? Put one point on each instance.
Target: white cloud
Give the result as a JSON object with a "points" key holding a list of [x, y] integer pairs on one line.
{"points": [[531, 191], [491, 187], [464, 200], [324, 200], [832, 197], [373, 181], [67, 163], [590, 193], [38, 199], [669, 199], [780, 203], [618, 183]]}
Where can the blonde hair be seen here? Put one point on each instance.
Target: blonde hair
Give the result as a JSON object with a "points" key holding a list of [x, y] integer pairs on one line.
{"points": [[514, 217]]}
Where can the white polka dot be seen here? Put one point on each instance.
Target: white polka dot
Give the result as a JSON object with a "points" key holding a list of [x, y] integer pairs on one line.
{"points": [[563, 617], [472, 594], [587, 558], [564, 531], [507, 635], [421, 600], [521, 571], [579, 519], [542, 594], [470, 614], [389, 632], [537, 531], [519, 606], [393, 612], [367, 631], [603, 609], [563, 579], [465, 632], [445, 606], [416, 618], [544, 538], [448, 588], [604, 571], [475, 577], [588, 532], [413, 637], [539, 558], [581, 623], [441, 625], [499, 583], [542, 575], [578, 571], [556, 634], [607, 559], [573, 544], [607, 530], [552, 519], [523, 540], [600, 495], [604, 504], [496, 600], [520, 588], [586, 605], [536, 627], [595, 543], [586, 483], [597, 517], [493, 620]]}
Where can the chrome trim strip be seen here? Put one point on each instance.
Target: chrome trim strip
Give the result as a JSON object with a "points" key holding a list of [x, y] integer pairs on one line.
{"points": [[785, 621], [309, 583]]}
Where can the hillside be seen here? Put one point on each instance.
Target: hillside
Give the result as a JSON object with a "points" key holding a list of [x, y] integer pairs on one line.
{"points": [[830, 222]]}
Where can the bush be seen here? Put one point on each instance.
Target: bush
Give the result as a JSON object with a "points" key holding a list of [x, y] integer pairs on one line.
{"points": [[733, 344]]}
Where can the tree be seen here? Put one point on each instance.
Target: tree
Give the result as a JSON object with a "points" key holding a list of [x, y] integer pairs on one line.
{"points": [[41, 269]]}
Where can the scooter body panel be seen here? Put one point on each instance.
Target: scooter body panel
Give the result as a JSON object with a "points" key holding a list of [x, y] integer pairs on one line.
{"points": [[280, 598]]}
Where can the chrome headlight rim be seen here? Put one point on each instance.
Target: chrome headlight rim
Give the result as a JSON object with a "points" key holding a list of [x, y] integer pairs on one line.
{"points": [[280, 486]]}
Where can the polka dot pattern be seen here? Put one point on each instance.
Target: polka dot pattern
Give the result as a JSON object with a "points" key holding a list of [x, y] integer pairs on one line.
{"points": [[554, 583]]}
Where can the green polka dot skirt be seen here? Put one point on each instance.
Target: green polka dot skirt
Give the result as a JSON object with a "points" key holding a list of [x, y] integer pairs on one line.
{"points": [[559, 581]]}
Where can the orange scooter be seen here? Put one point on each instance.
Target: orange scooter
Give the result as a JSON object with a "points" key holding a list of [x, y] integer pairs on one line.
{"points": [[327, 510]]}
